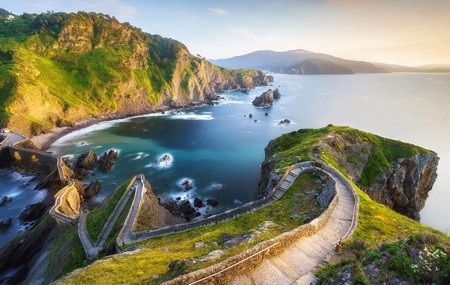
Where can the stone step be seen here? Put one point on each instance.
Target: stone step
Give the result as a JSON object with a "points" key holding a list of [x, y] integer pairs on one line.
{"points": [[267, 273]]}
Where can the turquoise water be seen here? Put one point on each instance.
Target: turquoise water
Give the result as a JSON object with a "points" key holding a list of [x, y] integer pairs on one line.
{"points": [[220, 149]]}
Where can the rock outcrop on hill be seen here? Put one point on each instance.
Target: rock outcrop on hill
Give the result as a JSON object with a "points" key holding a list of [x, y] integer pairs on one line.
{"points": [[404, 187], [62, 68], [393, 173]]}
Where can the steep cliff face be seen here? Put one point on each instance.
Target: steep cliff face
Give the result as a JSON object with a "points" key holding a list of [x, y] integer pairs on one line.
{"points": [[393, 173], [404, 187], [59, 68]]}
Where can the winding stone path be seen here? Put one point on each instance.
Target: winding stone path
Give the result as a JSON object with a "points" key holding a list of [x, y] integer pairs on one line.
{"points": [[296, 264], [92, 249]]}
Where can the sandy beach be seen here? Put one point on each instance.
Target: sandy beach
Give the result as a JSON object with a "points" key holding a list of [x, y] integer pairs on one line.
{"points": [[44, 141]]}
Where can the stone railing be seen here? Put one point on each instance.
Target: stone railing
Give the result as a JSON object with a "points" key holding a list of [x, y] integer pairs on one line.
{"points": [[222, 271], [275, 194], [63, 197], [349, 186]]}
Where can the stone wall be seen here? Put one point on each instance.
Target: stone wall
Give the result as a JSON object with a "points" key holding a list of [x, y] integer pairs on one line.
{"points": [[223, 272], [274, 195]]}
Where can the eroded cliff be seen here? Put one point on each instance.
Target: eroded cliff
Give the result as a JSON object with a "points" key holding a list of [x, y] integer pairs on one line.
{"points": [[60, 68], [393, 173]]}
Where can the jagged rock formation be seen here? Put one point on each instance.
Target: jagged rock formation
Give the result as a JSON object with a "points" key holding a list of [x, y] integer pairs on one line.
{"points": [[276, 94], [83, 163], [91, 189], [106, 162], [393, 173], [404, 187], [63, 68], [265, 99]]}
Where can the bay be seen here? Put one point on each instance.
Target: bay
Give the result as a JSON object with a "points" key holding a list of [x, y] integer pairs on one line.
{"points": [[220, 149]]}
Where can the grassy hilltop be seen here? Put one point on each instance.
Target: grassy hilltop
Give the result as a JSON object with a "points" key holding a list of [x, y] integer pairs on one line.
{"points": [[58, 68]]}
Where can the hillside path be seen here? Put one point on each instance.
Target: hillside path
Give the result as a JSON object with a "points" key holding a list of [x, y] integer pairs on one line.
{"points": [[92, 249], [297, 263]]}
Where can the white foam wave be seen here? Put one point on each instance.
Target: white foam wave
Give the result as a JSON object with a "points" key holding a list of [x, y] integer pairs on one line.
{"points": [[165, 160], [237, 202], [214, 186], [68, 156], [188, 180], [192, 116], [139, 155]]}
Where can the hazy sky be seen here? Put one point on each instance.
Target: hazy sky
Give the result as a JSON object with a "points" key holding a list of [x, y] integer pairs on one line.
{"points": [[408, 32]]}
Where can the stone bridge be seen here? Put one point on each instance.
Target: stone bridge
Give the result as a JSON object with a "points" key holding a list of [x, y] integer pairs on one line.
{"points": [[56, 173]]}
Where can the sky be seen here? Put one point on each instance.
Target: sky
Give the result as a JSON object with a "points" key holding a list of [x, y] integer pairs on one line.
{"points": [[406, 32]]}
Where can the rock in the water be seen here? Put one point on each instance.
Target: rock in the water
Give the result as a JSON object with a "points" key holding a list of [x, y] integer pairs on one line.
{"points": [[265, 100], [250, 116], [285, 121], [276, 94], [4, 224], [4, 200], [86, 160], [212, 202], [91, 190], [267, 114], [181, 209], [33, 212], [187, 185], [198, 203], [106, 160], [83, 163]]}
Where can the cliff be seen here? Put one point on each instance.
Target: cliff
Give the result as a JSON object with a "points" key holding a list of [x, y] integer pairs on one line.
{"points": [[57, 69], [393, 173]]}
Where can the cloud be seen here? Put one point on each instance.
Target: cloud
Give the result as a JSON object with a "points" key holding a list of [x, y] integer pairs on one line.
{"points": [[242, 32], [218, 12]]}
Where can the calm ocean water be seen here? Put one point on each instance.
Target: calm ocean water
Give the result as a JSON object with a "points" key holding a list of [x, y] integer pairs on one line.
{"points": [[220, 149]]}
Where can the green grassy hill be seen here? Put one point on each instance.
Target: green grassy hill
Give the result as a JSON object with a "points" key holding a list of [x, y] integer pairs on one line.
{"points": [[58, 68]]}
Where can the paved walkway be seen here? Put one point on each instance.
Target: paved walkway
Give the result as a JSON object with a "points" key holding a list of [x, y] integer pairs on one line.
{"points": [[296, 265], [11, 139], [92, 249]]}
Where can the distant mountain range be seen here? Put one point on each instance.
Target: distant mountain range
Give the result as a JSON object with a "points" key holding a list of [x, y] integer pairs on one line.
{"points": [[306, 62]]}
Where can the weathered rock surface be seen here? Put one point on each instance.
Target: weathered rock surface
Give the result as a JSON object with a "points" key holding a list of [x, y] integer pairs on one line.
{"points": [[264, 100], [276, 94], [404, 187], [4, 224], [181, 208], [198, 203], [4, 200], [106, 162], [285, 121], [83, 164], [33, 212], [212, 202], [91, 190]]}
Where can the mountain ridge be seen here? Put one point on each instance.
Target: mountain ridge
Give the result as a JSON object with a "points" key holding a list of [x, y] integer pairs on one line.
{"points": [[300, 61]]}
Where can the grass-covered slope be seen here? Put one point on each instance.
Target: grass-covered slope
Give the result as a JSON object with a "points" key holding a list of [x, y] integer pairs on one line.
{"points": [[58, 68], [150, 264], [385, 244]]}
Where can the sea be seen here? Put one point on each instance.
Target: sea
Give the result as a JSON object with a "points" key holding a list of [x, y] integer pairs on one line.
{"points": [[219, 148]]}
